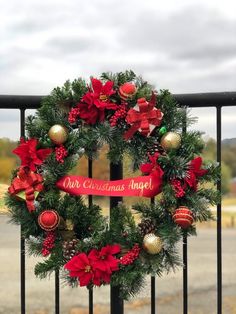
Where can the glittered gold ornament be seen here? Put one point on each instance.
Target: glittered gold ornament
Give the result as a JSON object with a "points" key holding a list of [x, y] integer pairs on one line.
{"points": [[171, 209], [171, 140], [58, 134], [67, 234], [66, 229], [152, 244], [69, 225]]}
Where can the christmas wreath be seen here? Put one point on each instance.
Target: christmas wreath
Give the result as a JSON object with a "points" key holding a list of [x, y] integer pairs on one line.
{"points": [[126, 113]]}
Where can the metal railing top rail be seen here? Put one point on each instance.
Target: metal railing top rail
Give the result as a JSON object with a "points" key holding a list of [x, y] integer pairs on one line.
{"points": [[219, 99], [200, 100]]}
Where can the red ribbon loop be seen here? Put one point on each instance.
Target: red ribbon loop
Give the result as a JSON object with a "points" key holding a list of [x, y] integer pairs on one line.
{"points": [[142, 119], [29, 182], [194, 172]]}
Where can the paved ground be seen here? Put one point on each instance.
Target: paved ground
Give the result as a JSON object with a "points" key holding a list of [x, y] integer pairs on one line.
{"points": [[202, 281]]}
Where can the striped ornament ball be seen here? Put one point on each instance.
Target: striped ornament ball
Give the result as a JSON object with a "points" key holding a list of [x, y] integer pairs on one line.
{"points": [[183, 217]]}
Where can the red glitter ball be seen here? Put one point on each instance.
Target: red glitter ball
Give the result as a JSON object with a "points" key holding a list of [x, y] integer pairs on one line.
{"points": [[49, 220], [127, 90]]}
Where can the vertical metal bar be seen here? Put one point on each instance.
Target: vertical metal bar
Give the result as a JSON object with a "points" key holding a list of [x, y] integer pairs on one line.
{"points": [[116, 173], [22, 240], [185, 244], [185, 274], [90, 201], [57, 292], [219, 224], [90, 175], [153, 295], [117, 304], [91, 301], [153, 284]]}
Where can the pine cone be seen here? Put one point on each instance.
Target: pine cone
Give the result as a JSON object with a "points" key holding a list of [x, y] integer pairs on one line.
{"points": [[146, 226], [156, 147], [69, 248]]}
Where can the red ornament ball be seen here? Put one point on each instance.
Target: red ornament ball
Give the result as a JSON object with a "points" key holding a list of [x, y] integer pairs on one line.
{"points": [[48, 220], [183, 217], [127, 90]]}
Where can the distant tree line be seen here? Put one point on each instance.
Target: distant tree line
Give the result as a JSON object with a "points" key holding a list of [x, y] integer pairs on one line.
{"points": [[228, 155], [8, 161]]}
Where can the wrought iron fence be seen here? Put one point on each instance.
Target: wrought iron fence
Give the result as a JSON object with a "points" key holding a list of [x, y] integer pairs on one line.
{"points": [[200, 100]]}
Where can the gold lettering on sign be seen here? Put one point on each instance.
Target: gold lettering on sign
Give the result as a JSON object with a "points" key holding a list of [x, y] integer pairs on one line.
{"points": [[68, 183], [89, 184], [136, 185], [141, 186], [86, 184]]}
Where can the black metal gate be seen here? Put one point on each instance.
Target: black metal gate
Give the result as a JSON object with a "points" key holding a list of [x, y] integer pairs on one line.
{"points": [[216, 100]]}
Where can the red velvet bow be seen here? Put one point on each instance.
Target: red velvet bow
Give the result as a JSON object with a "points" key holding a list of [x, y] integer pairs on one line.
{"points": [[152, 167], [194, 172], [142, 119], [29, 182]]}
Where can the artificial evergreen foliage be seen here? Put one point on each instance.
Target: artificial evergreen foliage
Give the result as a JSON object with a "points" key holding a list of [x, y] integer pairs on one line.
{"points": [[85, 226]]}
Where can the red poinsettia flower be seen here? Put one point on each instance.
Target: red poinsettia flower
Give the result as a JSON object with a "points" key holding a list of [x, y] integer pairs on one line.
{"points": [[104, 263], [80, 266], [95, 268], [104, 259], [101, 277], [194, 172], [149, 166], [152, 167], [95, 101], [90, 113], [29, 154], [100, 94]]}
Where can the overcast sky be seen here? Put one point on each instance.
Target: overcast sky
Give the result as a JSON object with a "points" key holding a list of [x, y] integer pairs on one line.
{"points": [[185, 46]]}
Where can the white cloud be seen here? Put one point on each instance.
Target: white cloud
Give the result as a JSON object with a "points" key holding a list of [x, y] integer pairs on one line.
{"points": [[186, 46]]}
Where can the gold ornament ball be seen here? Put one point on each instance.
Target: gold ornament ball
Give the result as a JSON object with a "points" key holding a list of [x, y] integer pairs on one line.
{"points": [[152, 244], [69, 225], [171, 140], [58, 134]]}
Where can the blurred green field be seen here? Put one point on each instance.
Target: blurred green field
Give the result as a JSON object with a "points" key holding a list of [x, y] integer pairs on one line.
{"points": [[228, 221], [229, 201], [1, 203], [3, 189]]}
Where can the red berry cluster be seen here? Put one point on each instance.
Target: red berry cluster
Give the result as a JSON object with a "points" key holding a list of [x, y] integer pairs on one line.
{"points": [[61, 153], [178, 188], [73, 115], [48, 243], [120, 113], [131, 256]]}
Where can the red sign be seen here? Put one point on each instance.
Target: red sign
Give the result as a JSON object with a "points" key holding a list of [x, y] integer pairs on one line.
{"points": [[147, 186]]}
